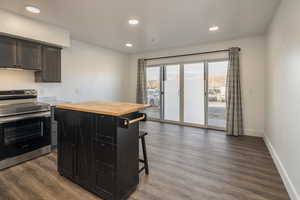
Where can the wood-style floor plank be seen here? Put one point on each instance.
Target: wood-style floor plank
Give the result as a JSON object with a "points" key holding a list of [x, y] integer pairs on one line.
{"points": [[185, 164]]}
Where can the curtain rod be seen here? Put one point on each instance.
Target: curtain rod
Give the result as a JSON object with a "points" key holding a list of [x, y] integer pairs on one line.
{"points": [[191, 54]]}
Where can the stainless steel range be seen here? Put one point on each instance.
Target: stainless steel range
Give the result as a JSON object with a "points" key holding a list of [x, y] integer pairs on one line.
{"points": [[25, 127]]}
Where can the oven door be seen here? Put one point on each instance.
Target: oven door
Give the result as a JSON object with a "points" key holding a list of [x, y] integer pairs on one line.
{"points": [[24, 133]]}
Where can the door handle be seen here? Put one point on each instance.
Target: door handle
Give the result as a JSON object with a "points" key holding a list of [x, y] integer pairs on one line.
{"points": [[23, 117]]}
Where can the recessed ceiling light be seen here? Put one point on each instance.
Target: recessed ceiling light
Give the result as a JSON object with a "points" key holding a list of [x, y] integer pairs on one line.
{"points": [[214, 28], [32, 9], [128, 45], [133, 21]]}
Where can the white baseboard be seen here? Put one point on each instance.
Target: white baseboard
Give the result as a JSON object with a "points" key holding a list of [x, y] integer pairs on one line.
{"points": [[252, 132], [282, 171]]}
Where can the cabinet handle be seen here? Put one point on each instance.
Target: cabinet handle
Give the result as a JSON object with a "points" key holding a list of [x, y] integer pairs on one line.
{"points": [[124, 122], [134, 120]]}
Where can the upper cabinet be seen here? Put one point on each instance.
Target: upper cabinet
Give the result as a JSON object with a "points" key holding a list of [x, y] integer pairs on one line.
{"points": [[51, 65], [29, 55], [8, 51]]}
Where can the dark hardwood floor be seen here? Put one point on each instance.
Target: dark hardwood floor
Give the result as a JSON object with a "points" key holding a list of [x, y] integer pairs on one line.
{"points": [[185, 163]]}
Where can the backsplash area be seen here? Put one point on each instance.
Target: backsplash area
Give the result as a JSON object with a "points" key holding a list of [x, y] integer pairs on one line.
{"points": [[23, 79]]}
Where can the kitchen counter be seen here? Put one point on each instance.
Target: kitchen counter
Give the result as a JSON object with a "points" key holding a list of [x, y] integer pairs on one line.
{"points": [[52, 101], [98, 146], [105, 108]]}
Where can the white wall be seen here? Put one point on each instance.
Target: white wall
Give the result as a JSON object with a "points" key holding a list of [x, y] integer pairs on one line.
{"points": [[88, 73], [20, 26], [252, 76], [282, 93]]}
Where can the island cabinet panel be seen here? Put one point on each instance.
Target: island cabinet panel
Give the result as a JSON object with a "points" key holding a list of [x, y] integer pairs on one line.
{"points": [[106, 129], [104, 181], [96, 153], [128, 165], [74, 144], [83, 124], [105, 153], [66, 145]]}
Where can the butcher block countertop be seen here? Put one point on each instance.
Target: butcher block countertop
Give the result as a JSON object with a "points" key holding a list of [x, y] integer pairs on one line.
{"points": [[105, 108]]}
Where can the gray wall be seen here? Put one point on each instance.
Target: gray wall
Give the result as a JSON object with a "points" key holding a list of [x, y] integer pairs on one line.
{"points": [[283, 93]]}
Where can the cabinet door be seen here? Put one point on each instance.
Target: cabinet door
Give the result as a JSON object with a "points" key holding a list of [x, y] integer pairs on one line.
{"points": [[8, 51], [104, 181], [29, 55], [84, 128], [51, 69], [105, 153], [106, 129], [104, 156], [66, 143]]}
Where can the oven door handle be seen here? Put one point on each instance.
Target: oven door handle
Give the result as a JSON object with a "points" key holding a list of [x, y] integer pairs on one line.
{"points": [[24, 117]]}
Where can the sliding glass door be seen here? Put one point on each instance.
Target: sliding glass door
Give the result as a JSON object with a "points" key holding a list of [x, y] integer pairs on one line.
{"points": [[171, 92], [153, 91], [188, 93], [194, 93], [217, 72]]}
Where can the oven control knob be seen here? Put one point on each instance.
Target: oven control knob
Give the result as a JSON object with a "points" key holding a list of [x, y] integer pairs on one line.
{"points": [[27, 92]]}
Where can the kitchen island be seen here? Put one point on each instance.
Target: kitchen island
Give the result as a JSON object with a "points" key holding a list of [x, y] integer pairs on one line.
{"points": [[98, 146]]}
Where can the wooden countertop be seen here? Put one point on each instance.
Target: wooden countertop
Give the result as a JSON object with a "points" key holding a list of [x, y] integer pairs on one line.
{"points": [[106, 108]]}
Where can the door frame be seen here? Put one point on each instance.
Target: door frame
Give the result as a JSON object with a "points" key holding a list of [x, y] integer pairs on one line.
{"points": [[181, 93]]}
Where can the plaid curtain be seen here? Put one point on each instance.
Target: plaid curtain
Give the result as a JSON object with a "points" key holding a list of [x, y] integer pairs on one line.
{"points": [[141, 82], [234, 119]]}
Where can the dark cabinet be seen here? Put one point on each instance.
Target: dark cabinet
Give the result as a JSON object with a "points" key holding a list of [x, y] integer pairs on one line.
{"points": [[66, 144], [8, 52], [51, 65], [83, 147], [74, 144], [105, 129], [94, 152], [22, 54], [29, 55], [104, 180], [104, 152]]}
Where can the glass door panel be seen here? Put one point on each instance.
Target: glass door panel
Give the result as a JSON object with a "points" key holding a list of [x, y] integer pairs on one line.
{"points": [[217, 72], [172, 92], [153, 87], [194, 91]]}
